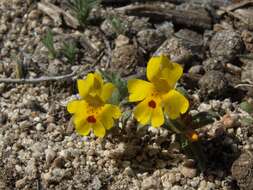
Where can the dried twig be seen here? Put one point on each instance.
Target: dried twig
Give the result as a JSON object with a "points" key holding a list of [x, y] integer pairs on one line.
{"points": [[116, 2], [43, 79], [56, 13], [181, 17]]}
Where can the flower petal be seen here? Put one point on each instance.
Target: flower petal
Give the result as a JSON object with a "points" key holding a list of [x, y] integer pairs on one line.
{"points": [[142, 112], [154, 66], [112, 110], [98, 129], [84, 85], [82, 127], [97, 83], [107, 91], [157, 118], [108, 113], [160, 67], [171, 72], [139, 89], [77, 106], [92, 85], [175, 104]]}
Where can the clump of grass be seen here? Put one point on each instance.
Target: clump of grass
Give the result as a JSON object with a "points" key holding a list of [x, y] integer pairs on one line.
{"points": [[69, 50], [48, 41], [82, 9], [117, 25]]}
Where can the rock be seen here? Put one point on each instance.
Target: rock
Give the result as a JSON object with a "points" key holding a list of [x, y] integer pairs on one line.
{"points": [[177, 187], [225, 45], [168, 179], [129, 171], [150, 39], [150, 183], [247, 70], [183, 46], [166, 28], [188, 172], [247, 37], [34, 14], [125, 58], [213, 64], [58, 162], [108, 29], [20, 184], [31, 169], [196, 69], [139, 23], [121, 40], [213, 84], [55, 67], [55, 175], [3, 118], [38, 149], [96, 184], [3, 28], [242, 171], [50, 155], [229, 120]]}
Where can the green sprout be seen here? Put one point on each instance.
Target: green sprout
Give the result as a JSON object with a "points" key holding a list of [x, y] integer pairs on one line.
{"points": [[82, 9], [48, 41], [121, 85], [69, 50], [117, 25]]}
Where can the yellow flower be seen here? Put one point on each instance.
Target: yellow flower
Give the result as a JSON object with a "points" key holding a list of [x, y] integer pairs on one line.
{"points": [[94, 88], [92, 111], [158, 95]]}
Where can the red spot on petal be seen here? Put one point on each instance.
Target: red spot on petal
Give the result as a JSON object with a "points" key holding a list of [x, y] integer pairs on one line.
{"points": [[152, 104], [91, 119]]}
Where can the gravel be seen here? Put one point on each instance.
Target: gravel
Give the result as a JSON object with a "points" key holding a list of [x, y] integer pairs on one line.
{"points": [[39, 148]]}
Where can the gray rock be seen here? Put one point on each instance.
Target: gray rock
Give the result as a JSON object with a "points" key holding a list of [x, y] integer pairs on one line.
{"points": [[150, 39], [196, 69], [31, 169], [213, 64], [50, 155], [166, 28], [183, 46], [213, 84], [225, 45], [96, 184], [247, 71], [242, 171]]}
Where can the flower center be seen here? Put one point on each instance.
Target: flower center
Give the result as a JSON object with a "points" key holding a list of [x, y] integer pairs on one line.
{"points": [[91, 119], [152, 104]]}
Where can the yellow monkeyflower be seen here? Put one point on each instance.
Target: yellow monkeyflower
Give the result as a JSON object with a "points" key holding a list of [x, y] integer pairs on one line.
{"points": [[92, 111], [158, 95]]}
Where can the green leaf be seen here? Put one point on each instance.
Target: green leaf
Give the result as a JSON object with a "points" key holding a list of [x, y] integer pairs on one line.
{"points": [[48, 42], [118, 82], [246, 121], [82, 9], [117, 25], [203, 118], [183, 91], [69, 50], [246, 106]]}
